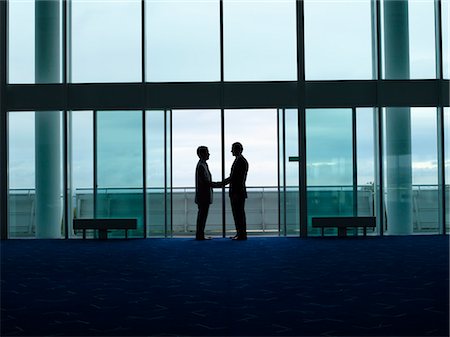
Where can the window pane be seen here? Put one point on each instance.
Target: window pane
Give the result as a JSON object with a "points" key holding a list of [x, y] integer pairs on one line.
{"points": [[35, 198], [338, 40], [256, 130], [408, 39], [106, 41], [425, 170], [183, 40], [446, 37], [155, 156], [81, 147], [329, 164], [191, 129], [119, 167], [21, 41], [260, 40], [365, 160], [422, 47], [34, 41]]}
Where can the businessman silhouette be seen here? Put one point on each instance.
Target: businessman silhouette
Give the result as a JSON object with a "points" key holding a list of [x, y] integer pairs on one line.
{"points": [[238, 190], [203, 191]]}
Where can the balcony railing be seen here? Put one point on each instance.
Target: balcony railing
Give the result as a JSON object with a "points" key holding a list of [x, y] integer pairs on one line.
{"points": [[262, 208]]}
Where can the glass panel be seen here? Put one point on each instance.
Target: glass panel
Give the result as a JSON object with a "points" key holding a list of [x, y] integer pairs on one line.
{"points": [[447, 165], [446, 37], [422, 47], [21, 41], [256, 130], [338, 40], [408, 39], [191, 129], [292, 173], [119, 168], [35, 196], [34, 41], [329, 164], [365, 118], [106, 41], [425, 170], [81, 166], [183, 40], [260, 40], [411, 174], [155, 175], [397, 166]]}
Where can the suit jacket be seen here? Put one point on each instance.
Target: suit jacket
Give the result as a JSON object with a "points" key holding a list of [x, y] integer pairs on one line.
{"points": [[238, 176], [203, 188]]}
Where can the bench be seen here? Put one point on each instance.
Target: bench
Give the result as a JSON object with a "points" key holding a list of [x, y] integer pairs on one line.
{"points": [[103, 225], [343, 222]]}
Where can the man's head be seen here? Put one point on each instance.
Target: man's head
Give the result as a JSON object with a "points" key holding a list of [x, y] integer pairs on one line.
{"points": [[203, 152], [236, 149]]}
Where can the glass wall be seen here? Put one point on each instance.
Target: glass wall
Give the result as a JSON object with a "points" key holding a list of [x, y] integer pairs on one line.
{"points": [[183, 41], [105, 41], [119, 147], [259, 40], [35, 196], [338, 40], [365, 147], [256, 130], [156, 178], [288, 153], [329, 164], [191, 129], [411, 176], [34, 41], [81, 167], [408, 39]]}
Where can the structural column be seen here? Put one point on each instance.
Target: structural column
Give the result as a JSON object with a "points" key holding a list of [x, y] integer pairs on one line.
{"points": [[48, 123], [398, 122]]}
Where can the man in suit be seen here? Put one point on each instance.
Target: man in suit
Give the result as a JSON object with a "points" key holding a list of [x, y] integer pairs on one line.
{"points": [[238, 191], [203, 191]]}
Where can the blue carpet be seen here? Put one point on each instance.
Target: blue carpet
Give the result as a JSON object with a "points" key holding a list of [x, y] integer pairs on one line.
{"points": [[377, 286]]}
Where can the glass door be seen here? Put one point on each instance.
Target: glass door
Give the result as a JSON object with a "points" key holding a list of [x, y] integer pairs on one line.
{"points": [[288, 161], [119, 168]]}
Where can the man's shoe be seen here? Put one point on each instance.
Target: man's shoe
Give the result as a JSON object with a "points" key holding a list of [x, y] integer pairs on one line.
{"points": [[240, 238], [202, 239]]}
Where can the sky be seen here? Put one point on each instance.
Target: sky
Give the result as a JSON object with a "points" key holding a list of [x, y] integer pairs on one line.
{"points": [[182, 44]]}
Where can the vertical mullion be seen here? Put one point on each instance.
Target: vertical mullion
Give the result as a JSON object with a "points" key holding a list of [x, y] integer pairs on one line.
{"points": [[95, 196], [284, 172], [144, 137], [355, 163], [144, 173], [165, 173], [3, 122], [379, 123], [301, 118], [65, 122], [222, 115], [442, 202], [171, 173]]}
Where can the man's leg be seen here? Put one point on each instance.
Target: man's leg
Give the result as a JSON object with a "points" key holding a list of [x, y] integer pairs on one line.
{"points": [[201, 221], [237, 206]]}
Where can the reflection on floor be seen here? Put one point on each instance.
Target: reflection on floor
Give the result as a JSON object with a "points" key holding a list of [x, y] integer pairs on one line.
{"points": [[375, 286]]}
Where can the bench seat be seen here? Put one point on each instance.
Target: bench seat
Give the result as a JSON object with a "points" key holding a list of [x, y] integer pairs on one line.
{"points": [[103, 225], [343, 222]]}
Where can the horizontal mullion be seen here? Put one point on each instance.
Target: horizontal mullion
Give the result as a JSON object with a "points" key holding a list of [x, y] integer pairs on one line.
{"points": [[130, 96]]}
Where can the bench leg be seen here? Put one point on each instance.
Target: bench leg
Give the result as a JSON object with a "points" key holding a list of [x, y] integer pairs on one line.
{"points": [[102, 234], [342, 231], [84, 234], [126, 233]]}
